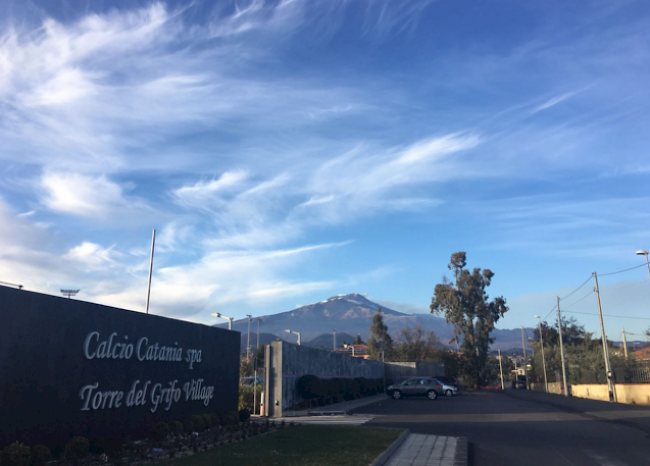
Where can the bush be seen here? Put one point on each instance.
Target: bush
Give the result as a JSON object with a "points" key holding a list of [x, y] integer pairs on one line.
{"points": [[207, 420], [188, 425], [232, 418], [309, 387], [77, 449], [16, 454], [197, 420], [217, 419], [176, 427], [40, 455], [244, 415], [160, 431]]}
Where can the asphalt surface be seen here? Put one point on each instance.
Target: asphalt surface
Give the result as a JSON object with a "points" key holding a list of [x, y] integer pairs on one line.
{"points": [[527, 429]]}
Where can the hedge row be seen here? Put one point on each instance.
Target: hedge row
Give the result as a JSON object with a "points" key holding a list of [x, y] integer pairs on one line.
{"points": [[78, 448], [334, 390]]}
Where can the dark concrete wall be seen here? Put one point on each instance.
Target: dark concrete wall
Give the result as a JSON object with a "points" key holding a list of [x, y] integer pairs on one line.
{"points": [[53, 384]]}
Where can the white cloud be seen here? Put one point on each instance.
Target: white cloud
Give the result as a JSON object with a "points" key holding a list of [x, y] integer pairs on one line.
{"points": [[76, 194], [92, 256]]}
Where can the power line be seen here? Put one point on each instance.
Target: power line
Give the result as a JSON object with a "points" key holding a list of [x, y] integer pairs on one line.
{"points": [[576, 302], [554, 307], [645, 280], [585, 282], [621, 271], [608, 315]]}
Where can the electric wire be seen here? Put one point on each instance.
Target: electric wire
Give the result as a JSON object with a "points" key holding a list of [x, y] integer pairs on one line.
{"points": [[621, 271], [585, 282], [554, 308], [608, 315], [576, 302]]}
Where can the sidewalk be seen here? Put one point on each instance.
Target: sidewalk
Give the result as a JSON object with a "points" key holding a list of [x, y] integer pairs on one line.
{"points": [[635, 416], [339, 408], [425, 450]]}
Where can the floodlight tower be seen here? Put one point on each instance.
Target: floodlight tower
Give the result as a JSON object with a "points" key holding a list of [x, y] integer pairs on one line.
{"points": [[69, 293]]}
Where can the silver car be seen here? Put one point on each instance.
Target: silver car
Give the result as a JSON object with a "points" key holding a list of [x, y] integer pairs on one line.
{"points": [[416, 386], [449, 390]]}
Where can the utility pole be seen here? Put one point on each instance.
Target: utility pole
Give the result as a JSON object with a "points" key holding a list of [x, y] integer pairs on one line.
{"points": [[248, 344], [501, 370], [523, 344], [153, 243], [608, 366], [559, 329], [334, 346], [541, 340], [259, 322], [624, 343]]}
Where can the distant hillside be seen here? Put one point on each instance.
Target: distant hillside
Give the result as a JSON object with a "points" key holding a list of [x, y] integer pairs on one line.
{"points": [[265, 339], [326, 340], [352, 314]]}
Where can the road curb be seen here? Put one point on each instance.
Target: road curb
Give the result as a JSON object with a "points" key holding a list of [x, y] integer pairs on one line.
{"points": [[385, 456], [461, 457]]}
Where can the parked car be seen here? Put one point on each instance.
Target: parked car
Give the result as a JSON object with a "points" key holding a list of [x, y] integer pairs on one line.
{"points": [[452, 382], [248, 381], [492, 386], [449, 390], [416, 386]]}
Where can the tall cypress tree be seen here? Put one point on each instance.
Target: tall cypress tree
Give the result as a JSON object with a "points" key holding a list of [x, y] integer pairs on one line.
{"points": [[379, 338]]}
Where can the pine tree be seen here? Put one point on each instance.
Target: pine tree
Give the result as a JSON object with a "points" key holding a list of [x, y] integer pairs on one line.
{"points": [[358, 340], [379, 338]]}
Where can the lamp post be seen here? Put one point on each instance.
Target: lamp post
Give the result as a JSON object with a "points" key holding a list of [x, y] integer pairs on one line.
{"points": [[644, 253], [334, 345], [216, 314], [541, 339], [295, 333], [248, 341]]}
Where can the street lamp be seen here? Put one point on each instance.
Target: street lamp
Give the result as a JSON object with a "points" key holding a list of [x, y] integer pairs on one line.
{"points": [[216, 314], [295, 333], [644, 253], [541, 339], [248, 343]]}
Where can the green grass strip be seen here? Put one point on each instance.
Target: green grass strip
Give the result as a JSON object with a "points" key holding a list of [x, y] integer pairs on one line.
{"points": [[310, 445]]}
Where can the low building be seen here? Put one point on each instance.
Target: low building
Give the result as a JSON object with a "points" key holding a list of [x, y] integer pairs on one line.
{"points": [[356, 351]]}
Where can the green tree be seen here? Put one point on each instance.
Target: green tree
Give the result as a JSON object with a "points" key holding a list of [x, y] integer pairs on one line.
{"points": [[379, 338], [358, 340], [417, 344], [464, 303]]}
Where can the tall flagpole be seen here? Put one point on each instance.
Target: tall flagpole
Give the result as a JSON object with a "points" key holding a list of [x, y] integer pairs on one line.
{"points": [[153, 243]]}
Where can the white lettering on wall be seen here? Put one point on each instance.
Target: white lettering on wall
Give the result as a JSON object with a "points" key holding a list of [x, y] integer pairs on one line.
{"points": [[161, 395]]}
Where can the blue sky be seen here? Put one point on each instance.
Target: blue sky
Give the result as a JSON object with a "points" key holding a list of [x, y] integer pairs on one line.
{"points": [[288, 151]]}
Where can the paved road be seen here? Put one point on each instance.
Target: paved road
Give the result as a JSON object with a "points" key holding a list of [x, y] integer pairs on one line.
{"points": [[504, 430]]}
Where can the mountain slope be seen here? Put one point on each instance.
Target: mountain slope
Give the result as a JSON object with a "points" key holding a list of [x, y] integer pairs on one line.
{"points": [[352, 314]]}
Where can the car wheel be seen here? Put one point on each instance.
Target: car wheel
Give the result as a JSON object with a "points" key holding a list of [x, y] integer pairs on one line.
{"points": [[432, 395], [448, 393], [397, 395]]}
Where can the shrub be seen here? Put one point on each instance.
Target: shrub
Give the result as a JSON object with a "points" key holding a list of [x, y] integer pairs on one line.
{"points": [[176, 427], [188, 425], [232, 418], [40, 455], [160, 431], [197, 420], [244, 415], [16, 454], [309, 387], [217, 419], [207, 420], [77, 449]]}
